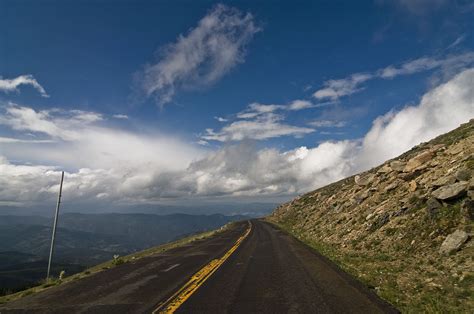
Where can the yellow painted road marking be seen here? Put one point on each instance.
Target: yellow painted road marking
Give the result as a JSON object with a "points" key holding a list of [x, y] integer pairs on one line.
{"points": [[180, 296]]}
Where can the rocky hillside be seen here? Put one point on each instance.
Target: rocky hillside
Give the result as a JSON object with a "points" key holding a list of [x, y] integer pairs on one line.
{"points": [[403, 228]]}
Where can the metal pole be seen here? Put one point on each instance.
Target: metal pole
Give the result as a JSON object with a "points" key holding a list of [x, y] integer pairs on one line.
{"points": [[54, 225]]}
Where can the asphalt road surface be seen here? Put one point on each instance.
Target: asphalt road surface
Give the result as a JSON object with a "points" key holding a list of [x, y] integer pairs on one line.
{"points": [[269, 272]]}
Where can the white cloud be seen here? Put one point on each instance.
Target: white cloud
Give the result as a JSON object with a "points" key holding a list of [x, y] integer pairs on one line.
{"points": [[265, 125], [334, 89], [100, 159], [121, 166], [220, 119], [259, 122], [457, 41], [55, 123], [11, 85], [327, 124], [418, 65], [257, 109], [440, 110], [202, 56], [17, 140], [449, 65], [300, 105], [120, 116]]}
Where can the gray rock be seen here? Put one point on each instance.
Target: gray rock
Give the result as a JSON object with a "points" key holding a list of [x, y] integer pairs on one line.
{"points": [[385, 169], [360, 197], [432, 206], [418, 161], [450, 192], [443, 181], [453, 242], [463, 174], [397, 165], [391, 186], [408, 176], [432, 203], [364, 180]]}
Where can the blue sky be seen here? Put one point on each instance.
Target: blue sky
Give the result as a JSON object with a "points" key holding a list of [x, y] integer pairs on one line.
{"points": [[154, 75]]}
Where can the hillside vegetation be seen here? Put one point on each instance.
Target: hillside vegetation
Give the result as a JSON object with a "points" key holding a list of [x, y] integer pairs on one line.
{"points": [[403, 228]]}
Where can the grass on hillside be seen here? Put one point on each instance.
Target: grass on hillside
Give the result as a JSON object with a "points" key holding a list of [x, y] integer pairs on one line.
{"points": [[43, 285]]}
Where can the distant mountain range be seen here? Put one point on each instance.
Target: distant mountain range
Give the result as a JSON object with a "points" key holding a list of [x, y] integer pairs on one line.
{"points": [[253, 209], [86, 239]]}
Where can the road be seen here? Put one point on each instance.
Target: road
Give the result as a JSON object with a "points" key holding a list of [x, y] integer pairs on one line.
{"points": [[264, 271]]}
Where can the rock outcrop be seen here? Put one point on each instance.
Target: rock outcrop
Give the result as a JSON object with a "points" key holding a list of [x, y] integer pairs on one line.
{"points": [[453, 242]]}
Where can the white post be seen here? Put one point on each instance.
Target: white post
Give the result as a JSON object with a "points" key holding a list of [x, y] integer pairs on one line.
{"points": [[54, 225]]}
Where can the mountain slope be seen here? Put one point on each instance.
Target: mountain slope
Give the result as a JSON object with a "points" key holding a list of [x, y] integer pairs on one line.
{"points": [[403, 227]]}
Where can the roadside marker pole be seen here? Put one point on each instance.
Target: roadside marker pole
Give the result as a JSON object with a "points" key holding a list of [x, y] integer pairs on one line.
{"points": [[54, 225]]}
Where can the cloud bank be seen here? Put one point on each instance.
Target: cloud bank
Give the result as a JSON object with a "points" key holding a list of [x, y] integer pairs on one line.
{"points": [[202, 56], [126, 167]]}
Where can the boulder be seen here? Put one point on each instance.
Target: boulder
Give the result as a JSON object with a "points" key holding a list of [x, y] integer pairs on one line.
{"points": [[385, 169], [450, 192], [418, 161], [437, 147], [463, 174], [412, 186], [391, 186], [443, 181], [432, 206], [453, 242], [364, 179], [397, 165], [360, 197], [456, 150]]}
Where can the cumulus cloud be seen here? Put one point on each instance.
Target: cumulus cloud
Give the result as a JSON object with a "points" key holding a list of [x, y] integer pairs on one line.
{"points": [[449, 65], [202, 56], [55, 123], [440, 110], [265, 125], [11, 85], [101, 160], [238, 170], [243, 169], [260, 122]]}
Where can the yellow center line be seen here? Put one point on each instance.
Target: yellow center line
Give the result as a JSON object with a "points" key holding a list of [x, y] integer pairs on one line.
{"points": [[180, 296]]}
